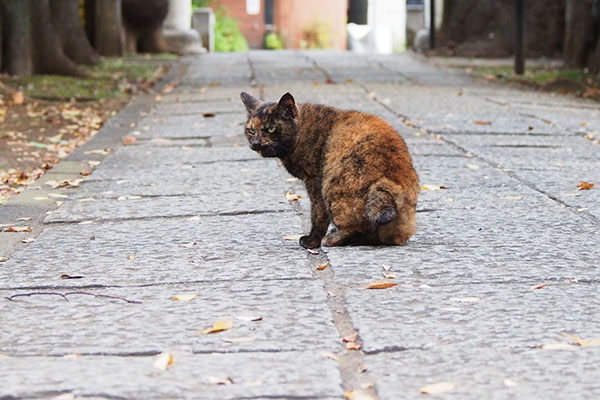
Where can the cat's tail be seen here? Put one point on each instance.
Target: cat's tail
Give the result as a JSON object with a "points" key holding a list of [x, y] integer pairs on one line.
{"points": [[390, 209]]}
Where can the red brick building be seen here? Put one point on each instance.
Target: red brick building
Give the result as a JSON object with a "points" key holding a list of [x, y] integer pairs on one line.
{"points": [[299, 22]]}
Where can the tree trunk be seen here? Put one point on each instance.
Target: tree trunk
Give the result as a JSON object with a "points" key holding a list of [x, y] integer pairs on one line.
{"points": [[48, 54], [109, 35], [579, 36], [476, 28], [143, 20], [16, 46], [67, 24]]}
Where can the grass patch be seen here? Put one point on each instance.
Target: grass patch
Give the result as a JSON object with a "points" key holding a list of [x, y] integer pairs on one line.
{"points": [[563, 81], [112, 77]]}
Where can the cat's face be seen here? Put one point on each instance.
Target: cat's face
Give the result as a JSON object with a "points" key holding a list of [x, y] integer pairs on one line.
{"points": [[271, 128]]}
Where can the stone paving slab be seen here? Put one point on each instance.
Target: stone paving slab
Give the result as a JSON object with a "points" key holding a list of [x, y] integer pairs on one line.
{"points": [[456, 316], [251, 247], [192, 125], [294, 316], [299, 374], [493, 373]]}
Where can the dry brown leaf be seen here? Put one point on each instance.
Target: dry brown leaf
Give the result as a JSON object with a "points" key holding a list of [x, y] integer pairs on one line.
{"points": [[350, 337], [218, 326], [380, 285], [437, 388], [353, 345], [129, 140], [17, 229], [482, 122], [537, 287], [294, 238], [164, 360], [322, 266], [358, 395], [185, 297], [216, 380], [432, 188], [249, 318], [85, 172], [583, 342], [17, 98], [585, 185], [289, 196], [390, 275]]}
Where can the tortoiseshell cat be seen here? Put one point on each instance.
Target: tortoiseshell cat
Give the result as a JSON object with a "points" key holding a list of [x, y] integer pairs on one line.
{"points": [[355, 166]]}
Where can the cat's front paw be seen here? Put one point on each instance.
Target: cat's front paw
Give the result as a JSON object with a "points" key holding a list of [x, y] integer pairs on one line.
{"points": [[309, 243]]}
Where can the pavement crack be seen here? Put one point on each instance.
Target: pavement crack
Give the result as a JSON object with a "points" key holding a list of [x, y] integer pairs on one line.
{"points": [[350, 362]]}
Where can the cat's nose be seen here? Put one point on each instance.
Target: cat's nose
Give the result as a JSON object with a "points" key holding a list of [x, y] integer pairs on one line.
{"points": [[255, 146]]}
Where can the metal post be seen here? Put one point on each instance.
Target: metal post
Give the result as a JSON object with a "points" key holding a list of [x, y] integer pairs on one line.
{"points": [[519, 40], [431, 24]]}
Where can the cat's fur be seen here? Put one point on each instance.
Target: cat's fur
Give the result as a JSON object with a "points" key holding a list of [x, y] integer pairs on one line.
{"points": [[355, 166]]}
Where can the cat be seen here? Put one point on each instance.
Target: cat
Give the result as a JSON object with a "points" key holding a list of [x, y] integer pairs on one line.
{"points": [[355, 166]]}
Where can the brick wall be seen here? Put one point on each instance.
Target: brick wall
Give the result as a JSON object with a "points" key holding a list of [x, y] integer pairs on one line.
{"points": [[292, 19], [252, 26]]}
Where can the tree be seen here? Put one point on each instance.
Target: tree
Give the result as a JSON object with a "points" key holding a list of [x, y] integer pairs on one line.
{"points": [[487, 28], [47, 36], [582, 42], [33, 44]]}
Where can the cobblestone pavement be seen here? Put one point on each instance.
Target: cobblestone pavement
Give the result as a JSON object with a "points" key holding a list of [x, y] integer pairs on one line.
{"points": [[493, 292]]}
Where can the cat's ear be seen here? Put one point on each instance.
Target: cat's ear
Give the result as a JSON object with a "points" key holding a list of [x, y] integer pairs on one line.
{"points": [[251, 103], [287, 106]]}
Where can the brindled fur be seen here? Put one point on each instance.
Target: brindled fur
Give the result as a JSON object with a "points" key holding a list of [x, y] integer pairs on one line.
{"points": [[355, 166]]}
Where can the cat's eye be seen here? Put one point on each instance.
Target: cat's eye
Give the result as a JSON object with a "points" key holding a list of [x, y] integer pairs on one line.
{"points": [[251, 130], [271, 129]]}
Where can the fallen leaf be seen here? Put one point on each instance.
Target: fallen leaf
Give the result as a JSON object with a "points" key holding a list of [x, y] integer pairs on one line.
{"points": [[537, 287], [583, 342], [353, 345], [367, 385], [67, 276], [72, 356], [41, 198], [163, 361], [93, 163], [386, 267], [208, 115], [361, 368], [358, 395], [17, 229], [24, 219], [218, 326], [472, 166], [289, 196], [98, 151], [482, 122], [86, 222], [64, 396], [322, 266], [329, 355], [509, 382], [558, 346], [350, 337], [294, 238], [189, 245], [28, 240], [329, 81], [214, 84], [585, 185], [249, 318], [129, 140], [17, 98], [437, 388], [432, 188], [215, 380], [390, 275], [380, 285], [185, 297]]}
